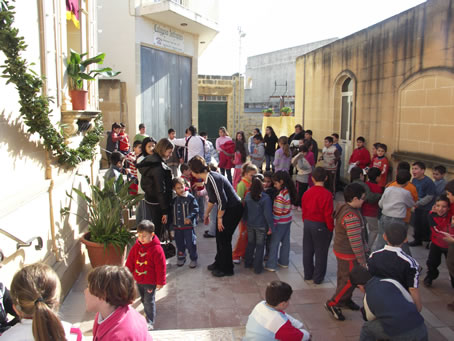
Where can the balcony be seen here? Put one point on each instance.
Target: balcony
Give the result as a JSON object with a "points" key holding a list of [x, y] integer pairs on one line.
{"points": [[198, 17]]}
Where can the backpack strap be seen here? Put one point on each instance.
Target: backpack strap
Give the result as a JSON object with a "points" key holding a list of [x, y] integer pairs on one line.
{"points": [[186, 150]]}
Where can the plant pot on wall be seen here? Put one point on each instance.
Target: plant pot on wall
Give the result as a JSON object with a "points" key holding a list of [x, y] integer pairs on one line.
{"points": [[79, 99], [286, 111], [99, 255], [267, 112]]}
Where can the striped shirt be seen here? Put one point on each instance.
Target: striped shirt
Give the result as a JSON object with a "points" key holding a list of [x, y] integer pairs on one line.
{"points": [[282, 207], [131, 158]]}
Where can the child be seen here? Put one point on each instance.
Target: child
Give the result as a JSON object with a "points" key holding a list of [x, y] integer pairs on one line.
{"points": [[317, 206], [269, 189], [174, 160], [116, 166], [36, 292], [186, 175], [450, 238], [350, 248], [309, 140], [360, 156], [330, 157], [131, 158], [303, 173], [248, 171], [270, 140], [357, 176], [258, 216], [238, 161], [282, 157], [199, 192], [251, 143], [147, 263], [438, 173], [440, 224], [6, 307], [370, 211], [112, 140], [141, 134], [426, 194], [392, 263], [258, 153], [110, 293], [226, 149], [374, 149], [211, 152], [282, 214], [124, 140], [394, 204], [268, 321], [339, 148], [311, 159], [184, 214], [381, 162]]}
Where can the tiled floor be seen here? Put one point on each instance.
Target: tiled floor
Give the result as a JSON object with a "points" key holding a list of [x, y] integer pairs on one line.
{"points": [[194, 299]]}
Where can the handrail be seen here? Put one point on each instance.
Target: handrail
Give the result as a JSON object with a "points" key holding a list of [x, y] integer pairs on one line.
{"points": [[20, 243]]}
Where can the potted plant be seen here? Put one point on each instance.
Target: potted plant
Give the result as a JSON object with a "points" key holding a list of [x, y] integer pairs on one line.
{"points": [[268, 112], [107, 235], [77, 73], [286, 111]]}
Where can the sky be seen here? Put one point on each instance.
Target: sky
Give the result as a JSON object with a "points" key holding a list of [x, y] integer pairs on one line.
{"points": [[272, 25]]}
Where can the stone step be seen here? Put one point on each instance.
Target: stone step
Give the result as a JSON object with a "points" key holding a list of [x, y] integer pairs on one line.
{"points": [[218, 334]]}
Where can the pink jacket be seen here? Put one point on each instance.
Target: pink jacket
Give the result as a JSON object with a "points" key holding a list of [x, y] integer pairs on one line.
{"points": [[125, 323]]}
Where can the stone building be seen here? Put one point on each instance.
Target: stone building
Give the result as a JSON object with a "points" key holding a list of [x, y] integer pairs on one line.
{"points": [[392, 82]]}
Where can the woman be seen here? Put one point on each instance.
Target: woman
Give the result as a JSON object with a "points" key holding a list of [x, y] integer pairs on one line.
{"points": [[148, 144], [270, 140], [230, 211], [156, 182], [225, 152]]}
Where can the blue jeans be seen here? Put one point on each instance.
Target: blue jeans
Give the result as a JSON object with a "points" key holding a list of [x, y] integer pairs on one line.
{"points": [[269, 162], [279, 237], [255, 242], [201, 202], [382, 222], [186, 239], [148, 301], [373, 330], [212, 226]]}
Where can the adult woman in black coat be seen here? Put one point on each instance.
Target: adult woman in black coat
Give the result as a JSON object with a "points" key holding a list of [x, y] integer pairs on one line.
{"points": [[270, 140], [156, 182]]}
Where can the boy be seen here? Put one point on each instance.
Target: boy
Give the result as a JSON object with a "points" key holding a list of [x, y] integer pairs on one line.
{"points": [[394, 204], [339, 148], [268, 321], [303, 172], [330, 157], [426, 194], [141, 134], [131, 158], [381, 162], [184, 218], [317, 206], [360, 156], [174, 160], [370, 211], [147, 263], [116, 166], [186, 175], [357, 176], [124, 140], [258, 154], [438, 173], [308, 139], [392, 263], [112, 140], [350, 248], [389, 312], [211, 152]]}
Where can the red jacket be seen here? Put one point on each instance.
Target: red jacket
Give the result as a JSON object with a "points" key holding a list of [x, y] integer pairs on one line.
{"points": [[147, 262], [226, 155], [362, 155], [317, 205], [383, 165], [124, 142], [442, 224], [371, 210]]}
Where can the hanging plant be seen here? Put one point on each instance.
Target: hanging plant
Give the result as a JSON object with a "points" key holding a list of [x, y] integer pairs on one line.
{"points": [[34, 106]]}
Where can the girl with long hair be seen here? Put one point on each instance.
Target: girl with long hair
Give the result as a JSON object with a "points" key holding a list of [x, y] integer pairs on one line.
{"points": [[241, 137], [238, 161], [282, 157], [270, 140], [226, 150], [282, 213]]}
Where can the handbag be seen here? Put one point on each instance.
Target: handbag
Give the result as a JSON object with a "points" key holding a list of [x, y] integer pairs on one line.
{"points": [[166, 244]]}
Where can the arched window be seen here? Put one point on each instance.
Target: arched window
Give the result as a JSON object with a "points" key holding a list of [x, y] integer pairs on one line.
{"points": [[346, 111]]}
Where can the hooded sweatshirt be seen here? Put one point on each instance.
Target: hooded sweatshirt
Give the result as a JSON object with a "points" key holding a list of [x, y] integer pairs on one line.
{"points": [[258, 155]]}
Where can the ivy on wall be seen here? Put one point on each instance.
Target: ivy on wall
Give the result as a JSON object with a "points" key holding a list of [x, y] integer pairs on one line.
{"points": [[34, 106]]}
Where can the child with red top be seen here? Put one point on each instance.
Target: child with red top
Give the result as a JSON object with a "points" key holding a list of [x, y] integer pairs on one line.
{"points": [[311, 159], [360, 156], [370, 210], [381, 162], [238, 161], [440, 225], [124, 140], [147, 263], [450, 239], [317, 205], [131, 158]]}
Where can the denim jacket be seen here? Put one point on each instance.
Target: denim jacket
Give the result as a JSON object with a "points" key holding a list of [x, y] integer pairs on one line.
{"points": [[184, 207], [258, 213]]}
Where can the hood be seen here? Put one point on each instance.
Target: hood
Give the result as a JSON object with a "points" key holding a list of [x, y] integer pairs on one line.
{"points": [[342, 209], [152, 160], [154, 242]]}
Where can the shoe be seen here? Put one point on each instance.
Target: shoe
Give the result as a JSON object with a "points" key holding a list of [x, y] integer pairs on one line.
{"points": [[193, 264], [428, 246], [219, 273], [211, 267], [318, 282], [351, 305], [450, 306], [283, 266], [150, 326], [236, 261], [428, 281], [207, 235], [270, 269], [335, 311], [415, 243], [181, 261]]}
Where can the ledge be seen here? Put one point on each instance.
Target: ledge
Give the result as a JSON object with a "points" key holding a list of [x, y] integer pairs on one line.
{"points": [[77, 121], [429, 160]]}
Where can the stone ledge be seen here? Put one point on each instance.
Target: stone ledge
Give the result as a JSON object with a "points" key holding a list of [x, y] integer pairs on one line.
{"points": [[219, 334]]}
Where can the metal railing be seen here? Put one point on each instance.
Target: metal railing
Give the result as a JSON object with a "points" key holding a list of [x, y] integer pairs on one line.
{"points": [[21, 243]]}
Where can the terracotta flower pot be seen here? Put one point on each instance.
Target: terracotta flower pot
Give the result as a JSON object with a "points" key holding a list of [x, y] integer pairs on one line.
{"points": [[79, 99], [267, 114], [285, 113], [100, 256]]}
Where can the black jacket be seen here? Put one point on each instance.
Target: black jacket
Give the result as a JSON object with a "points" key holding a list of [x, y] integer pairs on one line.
{"points": [[156, 181], [270, 144], [299, 136]]}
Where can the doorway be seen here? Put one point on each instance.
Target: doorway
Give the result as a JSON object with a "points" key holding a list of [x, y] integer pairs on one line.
{"points": [[212, 115], [346, 125]]}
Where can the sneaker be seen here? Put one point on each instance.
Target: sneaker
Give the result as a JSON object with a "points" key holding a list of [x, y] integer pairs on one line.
{"points": [[351, 305], [283, 266], [335, 311], [150, 326], [181, 261], [236, 261], [193, 264], [207, 235], [428, 281], [270, 269]]}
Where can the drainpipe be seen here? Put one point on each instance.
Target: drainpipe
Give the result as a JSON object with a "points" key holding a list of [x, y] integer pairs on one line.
{"points": [[51, 207], [304, 93]]}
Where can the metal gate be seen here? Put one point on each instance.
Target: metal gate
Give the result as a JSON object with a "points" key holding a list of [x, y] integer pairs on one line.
{"points": [[212, 115], [165, 92]]}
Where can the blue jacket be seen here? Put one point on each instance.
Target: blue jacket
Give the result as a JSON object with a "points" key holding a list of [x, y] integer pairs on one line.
{"points": [[258, 213], [184, 207]]}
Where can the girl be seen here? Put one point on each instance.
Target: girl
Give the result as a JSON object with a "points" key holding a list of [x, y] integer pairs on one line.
{"points": [[225, 160], [270, 140], [282, 213], [450, 239], [311, 159], [250, 143], [303, 172], [259, 219], [282, 157], [36, 291], [240, 137], [238, 161], [248, 171]]}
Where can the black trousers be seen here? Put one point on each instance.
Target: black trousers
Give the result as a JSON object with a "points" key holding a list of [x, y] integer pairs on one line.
{"points": [[229, 173], [223, 260], [156, 218], [316, 241], [302, 187], [422, 228], [434, 261]]}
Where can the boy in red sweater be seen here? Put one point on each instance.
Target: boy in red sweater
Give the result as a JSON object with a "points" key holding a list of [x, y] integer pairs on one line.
{"points": [[124, 140], [360, 156], [147, 263], [317, 206], [381, 162], [370, 210]]}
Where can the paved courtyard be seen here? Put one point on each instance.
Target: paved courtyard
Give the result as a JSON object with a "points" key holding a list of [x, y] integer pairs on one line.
{"points": [[194, 299]]}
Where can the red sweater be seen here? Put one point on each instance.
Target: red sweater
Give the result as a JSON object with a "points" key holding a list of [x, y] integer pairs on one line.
{"points": [[442, 224], [317, 205], [371, 210], [147, 262], [124, 142], [362, 155], [383, 165]]}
